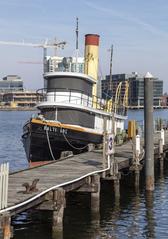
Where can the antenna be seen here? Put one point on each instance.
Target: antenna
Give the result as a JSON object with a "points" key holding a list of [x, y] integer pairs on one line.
{"points": [[77, 47], [77, 31], [111, 60]]}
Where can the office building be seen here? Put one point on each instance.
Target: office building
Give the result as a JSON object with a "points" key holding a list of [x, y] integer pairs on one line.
{"points": [[21, 99], [165, 100], [136, 89], [109, 88], [11, 83]]}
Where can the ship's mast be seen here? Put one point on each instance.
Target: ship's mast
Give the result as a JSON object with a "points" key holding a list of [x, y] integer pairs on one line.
{"points": [[111, 64], [77, 46]]}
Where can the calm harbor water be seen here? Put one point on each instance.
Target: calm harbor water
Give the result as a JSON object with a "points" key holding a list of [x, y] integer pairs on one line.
{"points": [[138, 215]]}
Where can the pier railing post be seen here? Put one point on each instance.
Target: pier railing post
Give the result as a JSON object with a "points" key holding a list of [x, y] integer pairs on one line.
{"points": [[111, 148], [136, 166], [104, 144], [114, 172], [149, 145], [161, 154], [115, 176]]}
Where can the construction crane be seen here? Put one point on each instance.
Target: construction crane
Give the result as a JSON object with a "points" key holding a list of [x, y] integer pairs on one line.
{"points": [[31, 62], [55, 45]]}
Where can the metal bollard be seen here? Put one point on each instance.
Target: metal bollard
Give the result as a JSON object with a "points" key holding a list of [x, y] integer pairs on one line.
{"points": [[162, 136], [161, 146], [138, 145]]}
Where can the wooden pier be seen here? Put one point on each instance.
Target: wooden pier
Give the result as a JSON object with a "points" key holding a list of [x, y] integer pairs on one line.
{"points": [[69, 173], [45, 187]]}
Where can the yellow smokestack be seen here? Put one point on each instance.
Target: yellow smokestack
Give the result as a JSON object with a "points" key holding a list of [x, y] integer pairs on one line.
{"points": [[92, 57]]}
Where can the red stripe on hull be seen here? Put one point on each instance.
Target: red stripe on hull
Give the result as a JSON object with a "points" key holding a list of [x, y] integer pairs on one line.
{"points": [[38, 163]]}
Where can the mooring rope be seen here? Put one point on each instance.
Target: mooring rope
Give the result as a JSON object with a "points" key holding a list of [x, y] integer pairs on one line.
{"points": [[68, 142], [49, 145], [78, 148]]}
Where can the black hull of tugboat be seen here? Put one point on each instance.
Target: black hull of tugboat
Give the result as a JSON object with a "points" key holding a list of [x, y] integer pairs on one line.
{"points": [[45, 143]]}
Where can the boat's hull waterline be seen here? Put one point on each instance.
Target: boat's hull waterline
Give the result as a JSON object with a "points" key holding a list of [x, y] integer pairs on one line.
{"points": [[44, 142]]}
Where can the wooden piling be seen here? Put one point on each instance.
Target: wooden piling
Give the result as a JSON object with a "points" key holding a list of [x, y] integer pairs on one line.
{"points": [[161, 161], [57, 235], [137, 176], [160, 147], [58, 210], [95, 196], [148, 118], [117, 188], [150, 216], [6, 226], [95, 200]]}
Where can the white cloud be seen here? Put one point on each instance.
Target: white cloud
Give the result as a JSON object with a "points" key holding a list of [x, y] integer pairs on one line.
{"points": [[134, 20]]}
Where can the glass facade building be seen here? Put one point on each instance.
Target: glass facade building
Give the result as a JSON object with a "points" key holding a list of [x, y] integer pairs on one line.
{"points": [[11, 83], [109, 88], [136, 89]]}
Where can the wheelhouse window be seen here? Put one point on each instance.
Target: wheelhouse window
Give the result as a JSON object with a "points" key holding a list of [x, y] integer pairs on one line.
{"points": [[49, 114]]}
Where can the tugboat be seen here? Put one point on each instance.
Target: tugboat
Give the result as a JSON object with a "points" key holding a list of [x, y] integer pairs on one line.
{"points": [[70, 116]]}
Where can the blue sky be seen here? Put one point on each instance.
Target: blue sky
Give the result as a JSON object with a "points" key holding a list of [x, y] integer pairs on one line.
{"points": [[137, 29]]}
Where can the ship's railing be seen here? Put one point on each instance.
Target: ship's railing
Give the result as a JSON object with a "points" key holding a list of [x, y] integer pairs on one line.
{"points": [[77, 97]]}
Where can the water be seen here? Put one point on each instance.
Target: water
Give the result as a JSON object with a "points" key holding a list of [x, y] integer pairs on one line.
{"points": [[11, 149], [136, 216]]}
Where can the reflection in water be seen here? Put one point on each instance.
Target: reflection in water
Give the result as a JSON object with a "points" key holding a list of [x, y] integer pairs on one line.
{"points": [[116, 184], [57, 231], [57, 235], [32, 224], [161, 176], [150, 215], [110, 211], [95, 214], [137, 180], [133, 229], [80, 221]]}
